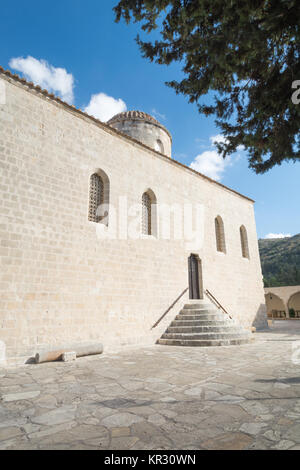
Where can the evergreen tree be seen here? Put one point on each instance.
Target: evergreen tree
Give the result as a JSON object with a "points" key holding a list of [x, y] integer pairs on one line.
{"points": [[246, 52]]}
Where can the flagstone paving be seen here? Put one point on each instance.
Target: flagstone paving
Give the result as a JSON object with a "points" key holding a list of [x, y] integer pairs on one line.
{"points": [[160, 397]]}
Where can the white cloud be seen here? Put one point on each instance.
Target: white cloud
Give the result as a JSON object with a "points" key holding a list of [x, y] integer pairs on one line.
{"points": [[211, 164], [56, 80], [278, 235], [104, 107], [219, 138]]}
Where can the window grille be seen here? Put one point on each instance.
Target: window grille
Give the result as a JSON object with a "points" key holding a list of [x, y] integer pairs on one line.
{"points": [[146, 214], [96, 197]]}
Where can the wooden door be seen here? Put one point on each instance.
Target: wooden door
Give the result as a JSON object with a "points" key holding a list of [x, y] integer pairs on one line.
{"points": [[194, 286]]}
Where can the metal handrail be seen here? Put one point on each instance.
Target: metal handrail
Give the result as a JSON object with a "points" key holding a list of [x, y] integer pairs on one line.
{"points": [[212, 297], [171, 306]]}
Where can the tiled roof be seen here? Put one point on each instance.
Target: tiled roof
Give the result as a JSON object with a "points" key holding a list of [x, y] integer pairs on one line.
{"points": [[132, 115], [109, 128]]}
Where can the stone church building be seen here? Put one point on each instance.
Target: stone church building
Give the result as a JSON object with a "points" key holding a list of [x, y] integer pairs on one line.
{"points": [[102, 232]]}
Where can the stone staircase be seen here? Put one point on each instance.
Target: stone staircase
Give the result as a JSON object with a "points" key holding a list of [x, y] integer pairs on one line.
{"points": [[201, 323]]}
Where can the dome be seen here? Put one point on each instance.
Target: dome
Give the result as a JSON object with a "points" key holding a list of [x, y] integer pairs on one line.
{"points": [[145, 128]]}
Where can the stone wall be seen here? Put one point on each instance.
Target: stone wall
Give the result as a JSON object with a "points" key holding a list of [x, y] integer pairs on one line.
{"points": [[61, 280]]}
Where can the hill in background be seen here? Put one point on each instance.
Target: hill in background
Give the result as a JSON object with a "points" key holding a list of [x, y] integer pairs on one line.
{"points": [[280, 261]]}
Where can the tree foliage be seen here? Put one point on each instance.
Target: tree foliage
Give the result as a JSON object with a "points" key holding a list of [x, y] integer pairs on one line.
{"points": [[280, 261], [245, 51]]}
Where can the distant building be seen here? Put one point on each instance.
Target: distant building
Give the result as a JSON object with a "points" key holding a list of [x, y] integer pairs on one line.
{"points": [[283, 302]]}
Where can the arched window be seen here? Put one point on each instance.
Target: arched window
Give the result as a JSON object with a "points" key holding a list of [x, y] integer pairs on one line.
{"points": [[220, 235], [148, 213], [159, 146], [244, 242], [99, 196]]}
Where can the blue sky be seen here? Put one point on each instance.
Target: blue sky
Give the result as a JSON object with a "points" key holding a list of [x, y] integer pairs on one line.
{"points": [[101, 57]]}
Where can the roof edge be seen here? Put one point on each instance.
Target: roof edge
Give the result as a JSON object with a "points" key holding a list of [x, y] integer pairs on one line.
{"points": [[112, 130]]}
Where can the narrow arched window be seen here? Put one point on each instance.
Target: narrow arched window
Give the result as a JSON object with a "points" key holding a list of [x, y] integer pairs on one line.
{"points": [[244, 242], [149, 213], [159, 146], [96, 197], [220, 234], [146, 214]]}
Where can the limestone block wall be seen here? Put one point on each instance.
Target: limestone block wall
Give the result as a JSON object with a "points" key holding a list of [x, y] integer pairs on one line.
{"points": [[61, 280]]}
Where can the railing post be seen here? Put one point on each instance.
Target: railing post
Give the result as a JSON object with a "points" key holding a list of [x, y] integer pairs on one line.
{"points": [[209, 294], [171, 306]]}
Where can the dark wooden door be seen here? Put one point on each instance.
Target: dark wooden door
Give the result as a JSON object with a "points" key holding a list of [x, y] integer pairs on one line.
{"points": [[194, 277]]}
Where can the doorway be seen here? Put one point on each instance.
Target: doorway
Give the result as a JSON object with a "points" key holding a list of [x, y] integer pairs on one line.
{"points": [[195, 277]]}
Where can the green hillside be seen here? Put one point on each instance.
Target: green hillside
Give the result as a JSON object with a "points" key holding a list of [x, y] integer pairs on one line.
{"points": [[280, 261]]}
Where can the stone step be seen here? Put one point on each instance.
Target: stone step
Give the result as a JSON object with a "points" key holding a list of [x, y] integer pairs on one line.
{"points": [[203, 343], [201, 323], [199, 311], [205, 336], [203, 316], [204, 329], [198, 304]]}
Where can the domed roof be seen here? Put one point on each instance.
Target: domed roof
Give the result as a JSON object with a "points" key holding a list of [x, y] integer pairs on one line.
{"points": [[133, 115], [137, 116]]}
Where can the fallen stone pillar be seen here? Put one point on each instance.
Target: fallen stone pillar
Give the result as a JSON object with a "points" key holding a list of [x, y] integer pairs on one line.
{"points": [[68, 356], [81, 349]]}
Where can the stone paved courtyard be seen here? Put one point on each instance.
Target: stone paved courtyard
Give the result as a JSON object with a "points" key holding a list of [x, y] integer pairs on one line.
{"points": [[161, 397]]}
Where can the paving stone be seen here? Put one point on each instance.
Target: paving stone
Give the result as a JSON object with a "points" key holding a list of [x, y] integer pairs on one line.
{"points": [[120, 420], [146, 431], [57, 416], [18, 443], [88, 432], [228, 441], [90, 421], [118, 432], [266, 417], [51, 430], [284, 445], [284, 422], [156, 419], [194, 391], [123, 443], [20, 396], [30, 428], [254, 408], [293, 433], [272, 435], [46, 401], [8, 433], [252, 428]]}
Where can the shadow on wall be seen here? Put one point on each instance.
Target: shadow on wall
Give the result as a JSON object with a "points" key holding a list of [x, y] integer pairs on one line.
{"points": [[260, 321]]}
